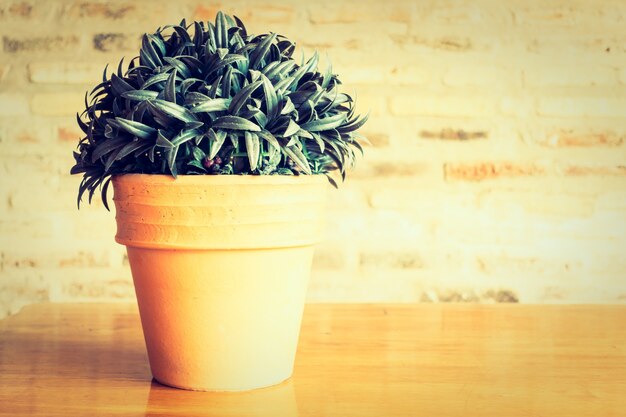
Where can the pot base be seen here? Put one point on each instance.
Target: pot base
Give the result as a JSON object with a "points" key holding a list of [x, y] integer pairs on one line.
{"points": [[200, 389]]}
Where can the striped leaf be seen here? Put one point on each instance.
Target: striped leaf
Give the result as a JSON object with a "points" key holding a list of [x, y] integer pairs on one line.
{"points": [[235, 123], [134, 128], [242, 97], [216, 140], [174, 110], [253, 148]]}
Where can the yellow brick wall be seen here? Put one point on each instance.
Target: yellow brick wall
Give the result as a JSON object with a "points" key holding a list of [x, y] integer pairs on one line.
{"points": [[498, 171]]}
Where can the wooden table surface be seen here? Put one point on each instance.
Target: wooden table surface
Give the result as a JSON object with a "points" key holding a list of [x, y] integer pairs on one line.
{"points": [[353, 360]]}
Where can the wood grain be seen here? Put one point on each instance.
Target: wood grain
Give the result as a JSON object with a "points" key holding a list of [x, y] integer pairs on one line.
{"points": [[353, 360]]}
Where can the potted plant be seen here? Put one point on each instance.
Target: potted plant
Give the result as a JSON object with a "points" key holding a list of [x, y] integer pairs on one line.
{"points": [[218, 144]]}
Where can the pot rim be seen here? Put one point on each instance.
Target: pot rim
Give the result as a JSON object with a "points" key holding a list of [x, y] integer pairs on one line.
{"points": [[197, 212]]}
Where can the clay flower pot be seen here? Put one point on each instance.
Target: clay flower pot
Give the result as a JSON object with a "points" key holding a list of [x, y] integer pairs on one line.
{"points": [[220, 265]]}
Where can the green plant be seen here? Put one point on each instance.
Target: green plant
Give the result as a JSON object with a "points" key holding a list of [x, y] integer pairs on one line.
{"points": [[213, 99]]}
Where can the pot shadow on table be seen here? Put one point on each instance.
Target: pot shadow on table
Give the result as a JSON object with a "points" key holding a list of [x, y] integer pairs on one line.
{"points": [[278, 400]]}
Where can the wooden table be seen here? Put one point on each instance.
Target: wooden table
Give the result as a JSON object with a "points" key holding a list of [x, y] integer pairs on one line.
{"points": [[353, 360]]}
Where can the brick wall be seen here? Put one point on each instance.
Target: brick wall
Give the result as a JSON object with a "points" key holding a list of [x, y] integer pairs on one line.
{"points": [[498, 171]]}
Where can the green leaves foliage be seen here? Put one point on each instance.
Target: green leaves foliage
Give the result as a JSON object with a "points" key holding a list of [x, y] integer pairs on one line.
{"points": [[211, 98]]}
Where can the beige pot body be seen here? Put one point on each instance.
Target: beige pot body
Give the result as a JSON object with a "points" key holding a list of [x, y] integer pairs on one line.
{"points": [[220, 266]]}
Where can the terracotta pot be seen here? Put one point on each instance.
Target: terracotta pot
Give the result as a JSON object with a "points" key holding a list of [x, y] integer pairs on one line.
{"points": [[220, 266]]}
